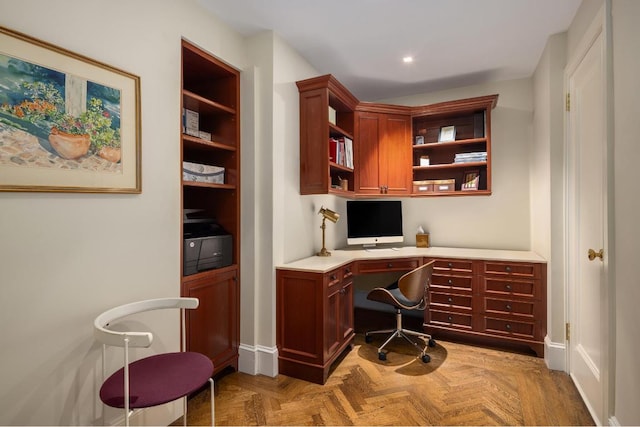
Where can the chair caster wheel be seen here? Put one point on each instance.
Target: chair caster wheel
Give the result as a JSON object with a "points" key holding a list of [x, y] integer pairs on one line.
{"points": [[432, 342], [368, 338], [382, 356], [426, 358]]}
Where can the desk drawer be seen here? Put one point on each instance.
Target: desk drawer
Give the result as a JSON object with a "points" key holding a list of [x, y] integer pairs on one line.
{"points": [[450, 319], [447, 301], [511, 288], [508, 308], [450, 282], [457, 265], [512, 269], [340, 274], [509, 328], [391, 264]]}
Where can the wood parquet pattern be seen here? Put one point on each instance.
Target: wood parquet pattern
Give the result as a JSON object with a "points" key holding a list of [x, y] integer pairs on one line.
{"points": [[462, 385]]}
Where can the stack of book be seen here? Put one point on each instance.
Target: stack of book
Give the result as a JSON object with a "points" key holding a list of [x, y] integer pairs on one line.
{"points": [[341, 151], [479, 156]]}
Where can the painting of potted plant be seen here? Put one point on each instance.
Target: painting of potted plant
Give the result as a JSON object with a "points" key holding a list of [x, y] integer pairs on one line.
{"points": [[68, 123], [72, 137]]}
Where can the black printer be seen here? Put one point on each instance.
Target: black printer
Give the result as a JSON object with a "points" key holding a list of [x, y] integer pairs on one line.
{"points": [[206, 244]]}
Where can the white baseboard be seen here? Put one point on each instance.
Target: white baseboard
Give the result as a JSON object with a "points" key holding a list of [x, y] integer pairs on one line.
{"points": [[258, 360], [555, 355], [613, 421]]}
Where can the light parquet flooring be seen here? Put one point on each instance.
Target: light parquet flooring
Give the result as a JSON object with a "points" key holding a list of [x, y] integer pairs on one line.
{"points": [[462, 385]]}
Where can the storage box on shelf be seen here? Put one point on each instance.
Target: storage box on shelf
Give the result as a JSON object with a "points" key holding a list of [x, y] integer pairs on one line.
{"points": [[210, 183]]}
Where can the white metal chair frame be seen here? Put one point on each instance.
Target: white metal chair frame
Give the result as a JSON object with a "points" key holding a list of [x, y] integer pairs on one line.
{"points": [[141, 339]]}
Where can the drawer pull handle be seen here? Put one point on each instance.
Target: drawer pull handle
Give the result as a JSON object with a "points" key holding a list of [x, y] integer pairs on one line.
{"points": [[450, 319], [450, 281], [449, 265], [509, 307], [508, 268], [508, 287], [507, 327], [347, 270], [450, 299], [333, 277], [389, 265]]}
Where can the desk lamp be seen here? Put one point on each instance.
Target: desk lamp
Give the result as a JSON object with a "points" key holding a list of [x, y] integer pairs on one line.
{"points": [[331, 216]]}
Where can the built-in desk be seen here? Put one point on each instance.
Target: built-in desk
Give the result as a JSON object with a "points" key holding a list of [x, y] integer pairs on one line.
{"points": [[486, 296]]}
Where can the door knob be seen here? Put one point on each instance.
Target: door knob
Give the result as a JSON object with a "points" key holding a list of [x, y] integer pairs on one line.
{"points": [[593, 254]]}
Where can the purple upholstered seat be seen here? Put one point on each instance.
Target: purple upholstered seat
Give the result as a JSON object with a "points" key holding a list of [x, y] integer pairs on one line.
{"points": [[158, 379]]}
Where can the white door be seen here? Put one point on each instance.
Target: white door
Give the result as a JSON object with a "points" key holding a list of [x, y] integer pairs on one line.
{"points": [[587, 219]]}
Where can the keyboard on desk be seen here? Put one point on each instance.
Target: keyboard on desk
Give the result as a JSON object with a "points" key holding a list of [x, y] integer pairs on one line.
{"points": [[381, 249]]}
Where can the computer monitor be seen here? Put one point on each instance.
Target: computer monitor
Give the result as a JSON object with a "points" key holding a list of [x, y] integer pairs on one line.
{"points": [[371, 222]]}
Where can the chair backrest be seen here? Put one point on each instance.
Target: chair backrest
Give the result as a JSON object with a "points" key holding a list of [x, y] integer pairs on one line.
{"points": [[135, 339], [415, 284]]}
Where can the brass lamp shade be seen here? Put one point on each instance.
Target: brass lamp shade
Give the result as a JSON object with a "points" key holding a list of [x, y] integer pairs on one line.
{"points": [[331, 216]]}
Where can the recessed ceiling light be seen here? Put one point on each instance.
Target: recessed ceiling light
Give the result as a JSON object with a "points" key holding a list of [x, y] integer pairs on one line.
{"points": [[407, 59]]}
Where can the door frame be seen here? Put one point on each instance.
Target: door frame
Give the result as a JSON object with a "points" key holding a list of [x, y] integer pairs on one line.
{"points": [[600, 26]]}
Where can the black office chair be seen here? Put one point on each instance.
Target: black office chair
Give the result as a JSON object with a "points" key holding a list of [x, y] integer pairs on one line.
{"points": [[410, 292]]}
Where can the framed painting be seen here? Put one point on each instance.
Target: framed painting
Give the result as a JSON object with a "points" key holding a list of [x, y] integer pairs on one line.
{"points": [[67, 123], [470, 180]]}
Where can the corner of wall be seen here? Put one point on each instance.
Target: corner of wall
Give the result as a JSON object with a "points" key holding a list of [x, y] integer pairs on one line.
{"points": [[258, 360], [555, 355]]}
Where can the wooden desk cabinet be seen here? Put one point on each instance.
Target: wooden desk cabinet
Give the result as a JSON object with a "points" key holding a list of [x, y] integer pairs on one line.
{"points": [[500, 302], [476, 295], [314, 314]]}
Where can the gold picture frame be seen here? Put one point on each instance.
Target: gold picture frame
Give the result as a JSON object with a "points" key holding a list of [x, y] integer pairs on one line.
{"points": [[68, 123], [471, 180]]}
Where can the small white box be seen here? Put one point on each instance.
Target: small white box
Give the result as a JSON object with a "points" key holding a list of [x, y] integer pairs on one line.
{"points": [[196, 172], [424, 160], [204, 135], [332, 116], [191, 122]]}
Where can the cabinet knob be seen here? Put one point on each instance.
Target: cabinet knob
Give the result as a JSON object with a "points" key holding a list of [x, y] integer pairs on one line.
{"points": [[450, 319], [347, 270], [343, 291], [450, 281], [333, 277], [508, 307], [389, 265], [508, 287], [507, 327], [450, 299], [508, 269], [450, 265]]}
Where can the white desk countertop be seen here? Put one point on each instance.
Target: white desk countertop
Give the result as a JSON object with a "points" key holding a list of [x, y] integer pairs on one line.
{"points": [[340, 257]]}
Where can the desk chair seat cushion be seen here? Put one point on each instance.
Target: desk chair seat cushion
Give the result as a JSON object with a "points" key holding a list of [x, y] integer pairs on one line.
{"points": [[391, 295], [182, 374]]}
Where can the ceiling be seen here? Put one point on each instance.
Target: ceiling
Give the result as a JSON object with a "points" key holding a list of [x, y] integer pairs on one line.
{"points": [[454, 43]]}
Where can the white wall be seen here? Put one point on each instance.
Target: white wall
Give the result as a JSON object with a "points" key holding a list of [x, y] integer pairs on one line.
{"points": [[626, 38], [64, 258], [547, 188]]}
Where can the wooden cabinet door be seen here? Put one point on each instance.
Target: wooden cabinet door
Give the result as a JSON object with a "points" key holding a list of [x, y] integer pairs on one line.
{"points": [[368, 167], [395, 154], [383, 153], [212, 328]]}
